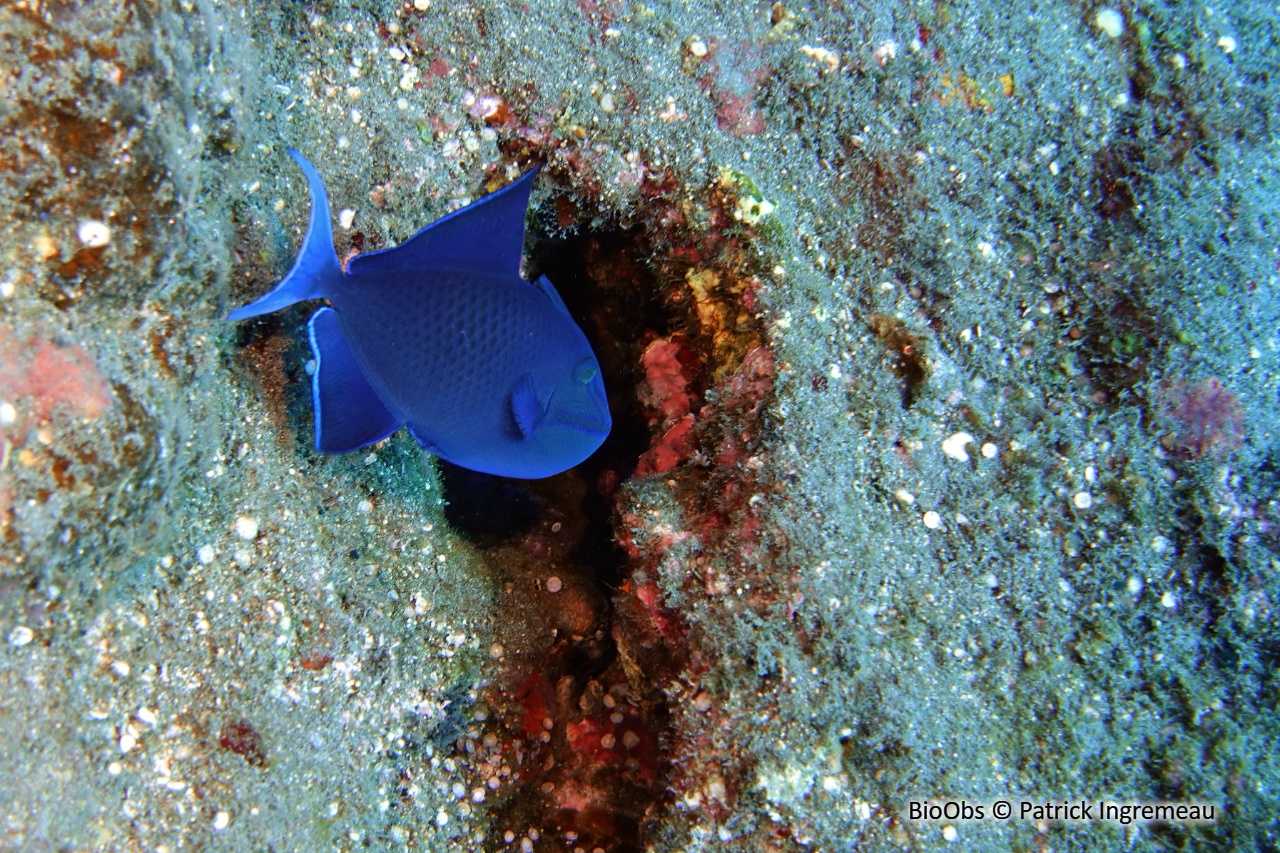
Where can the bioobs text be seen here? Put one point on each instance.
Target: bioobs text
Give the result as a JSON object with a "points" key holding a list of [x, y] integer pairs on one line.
{"points": [[924, 810]]}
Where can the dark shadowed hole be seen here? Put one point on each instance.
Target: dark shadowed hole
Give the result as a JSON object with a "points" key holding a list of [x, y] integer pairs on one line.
{"points": [[608, 289], [610, 317], [483, 506]]}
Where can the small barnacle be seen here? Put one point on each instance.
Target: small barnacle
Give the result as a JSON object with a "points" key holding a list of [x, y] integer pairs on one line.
{"points": [[93, 233]]}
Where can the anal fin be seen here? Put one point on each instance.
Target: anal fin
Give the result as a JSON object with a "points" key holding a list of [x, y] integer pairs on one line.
{"points": [[348, 413]]}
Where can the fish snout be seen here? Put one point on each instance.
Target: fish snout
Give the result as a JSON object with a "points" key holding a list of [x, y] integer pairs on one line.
{"points": [[601, 402]]}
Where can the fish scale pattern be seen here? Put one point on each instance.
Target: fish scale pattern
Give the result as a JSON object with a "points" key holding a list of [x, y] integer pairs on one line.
{"points": [[455, 337]]}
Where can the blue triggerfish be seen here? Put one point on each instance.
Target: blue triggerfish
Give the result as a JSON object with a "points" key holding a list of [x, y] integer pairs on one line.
{"points": [[441, 333]]}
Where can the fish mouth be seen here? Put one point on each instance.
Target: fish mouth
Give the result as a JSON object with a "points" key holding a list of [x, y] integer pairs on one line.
{"points": [[596, 423], [593, 426]]}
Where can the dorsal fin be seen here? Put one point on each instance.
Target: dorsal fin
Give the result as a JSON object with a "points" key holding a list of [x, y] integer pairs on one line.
{"points": [[486, 235]]}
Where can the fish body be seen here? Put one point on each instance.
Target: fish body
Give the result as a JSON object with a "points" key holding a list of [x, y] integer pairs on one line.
{"points": [[441, 333]]}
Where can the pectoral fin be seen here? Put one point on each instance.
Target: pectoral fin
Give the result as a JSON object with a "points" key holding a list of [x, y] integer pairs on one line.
{"points": [[526, 408]]}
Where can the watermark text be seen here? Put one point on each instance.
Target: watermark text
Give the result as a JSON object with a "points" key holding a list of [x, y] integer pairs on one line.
{"points": [[1123, 812]]}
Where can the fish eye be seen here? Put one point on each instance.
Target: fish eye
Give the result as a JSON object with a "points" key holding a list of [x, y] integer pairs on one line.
{"points": [[585, 371]]}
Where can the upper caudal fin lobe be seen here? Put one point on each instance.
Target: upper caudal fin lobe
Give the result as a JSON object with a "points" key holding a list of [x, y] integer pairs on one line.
{"points": [[316, 269]]}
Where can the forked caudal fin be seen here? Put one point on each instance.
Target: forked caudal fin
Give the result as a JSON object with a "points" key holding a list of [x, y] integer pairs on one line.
{"points": [[316, 270]]}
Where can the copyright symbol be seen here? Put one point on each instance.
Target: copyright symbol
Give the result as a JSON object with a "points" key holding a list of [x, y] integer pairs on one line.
{"points": [[1000, 810]]}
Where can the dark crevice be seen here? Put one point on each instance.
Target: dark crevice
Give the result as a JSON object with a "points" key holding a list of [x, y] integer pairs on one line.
{"points": [[486, 508], [610, 326], [561, 662]]}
